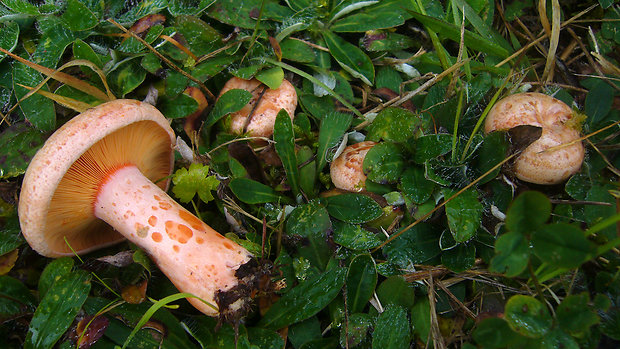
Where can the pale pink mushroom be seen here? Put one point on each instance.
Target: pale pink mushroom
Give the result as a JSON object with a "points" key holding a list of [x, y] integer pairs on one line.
{"points": [[346, 170], [92, 185], [262, 117], [558, 153]]}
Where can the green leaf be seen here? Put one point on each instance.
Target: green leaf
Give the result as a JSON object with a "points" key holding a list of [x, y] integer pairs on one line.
{"points": [[394, 125], [361, 282], [15, 298], [231, 101], [350, 57], [453, 32], [562, 245], [361, 22], [415, 186], [271, 77], [528, 316], [353, 208], [598, 102], [384, 163], [178, 106], [146, 8], [21, 6], [54, 271], [333, 126], [284, 136], [307, 220], [494, 333], [10, 37], [296, 50], [192, 181], [354, 236], [415, 246], [188, 7], [428, 147], [305, 299], [79, 17], [575, 315], [253, 192], [392, 330], [492, 152], [57, 309], [464, 213], [397, 291], [356, 330], [10, 235], [421, 319], [527, 212], [201, 38], [20, 143], [38, 110], [307, 170], [511, 254], [459, 258], [557, 338], [126, 77]]}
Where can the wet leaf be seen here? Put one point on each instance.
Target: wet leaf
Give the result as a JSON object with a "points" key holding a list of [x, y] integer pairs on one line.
{"points": [[562, 245], [395, 290], [192, 181], [361, 282], [284, 136], [10, 36], [464, 213], [557, 338], [54, 271], [57, 309], [126, 77], [304, 300], [307, 220], [354, 236], [7, 261], [332, 128], [511, 254], [79, 17], [415, 186], [492, 152], [307, 171], [350, 57], [494, 333], [135, 294], [231, 101], [38, 110], [428, 147], [415, 246], [528, 316], [527, 212], [201, 38], [253, 192], [10, 235], [15, 298], [394, 125], [356, 330], [90, 329], [353, 208], [384, 163], [459, 258], [392, 330]]}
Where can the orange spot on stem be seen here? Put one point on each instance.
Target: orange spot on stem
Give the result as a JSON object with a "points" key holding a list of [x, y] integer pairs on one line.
{"points": [[178, 232], [192, 220], [152, 221], [157, 237]]}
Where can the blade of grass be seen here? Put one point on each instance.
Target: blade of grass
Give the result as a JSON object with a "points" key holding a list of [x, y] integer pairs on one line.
{"points": [[553, 42], [62, 100]]}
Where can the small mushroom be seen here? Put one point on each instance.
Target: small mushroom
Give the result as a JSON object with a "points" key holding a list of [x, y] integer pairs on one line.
{"points": [[558, 153], [257, 120], [101, 179], [346, 170]]}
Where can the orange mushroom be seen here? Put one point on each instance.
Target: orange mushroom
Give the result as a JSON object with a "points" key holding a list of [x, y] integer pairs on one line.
{"points": [[347, 169], [558, 153], [93, 185]]}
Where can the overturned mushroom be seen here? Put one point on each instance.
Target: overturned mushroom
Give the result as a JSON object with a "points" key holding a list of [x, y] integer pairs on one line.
{"points": [[92, 185], [347, 169], [558, 153], [259, 115]]}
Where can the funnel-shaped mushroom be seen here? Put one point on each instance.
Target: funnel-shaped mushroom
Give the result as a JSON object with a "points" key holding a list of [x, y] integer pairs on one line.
{"points": [[558, 153], [92, 185]]}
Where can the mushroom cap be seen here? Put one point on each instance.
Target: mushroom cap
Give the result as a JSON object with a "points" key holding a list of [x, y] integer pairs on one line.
{"points": [[538, 163], [61, 183], [347, 169], [264, 115]]}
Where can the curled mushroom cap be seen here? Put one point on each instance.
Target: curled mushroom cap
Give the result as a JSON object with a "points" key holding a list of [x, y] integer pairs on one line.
{"points": [[92, 185], [557, 154], [346, 170], [258, 120]]}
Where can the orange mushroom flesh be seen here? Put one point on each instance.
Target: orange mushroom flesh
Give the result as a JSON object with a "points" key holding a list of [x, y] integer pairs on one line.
{"points": [[106, 193], [558, 153], [258, 117], [347, 169]]}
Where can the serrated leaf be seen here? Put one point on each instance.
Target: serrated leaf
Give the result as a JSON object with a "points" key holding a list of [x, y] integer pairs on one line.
{"points": [[57, 309], [305, 299], [353, 208], [464, 213], [350, 57], [231, 101], [192, 181], [284, 136]]}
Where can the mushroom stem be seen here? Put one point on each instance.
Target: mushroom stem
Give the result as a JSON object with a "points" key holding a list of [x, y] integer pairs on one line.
{"points": [[196, 258]]}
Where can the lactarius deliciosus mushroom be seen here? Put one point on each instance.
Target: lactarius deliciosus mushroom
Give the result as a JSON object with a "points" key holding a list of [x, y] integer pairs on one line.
{"points": [[347, 169], [258, 117], [558, 153], [93, 185]]}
